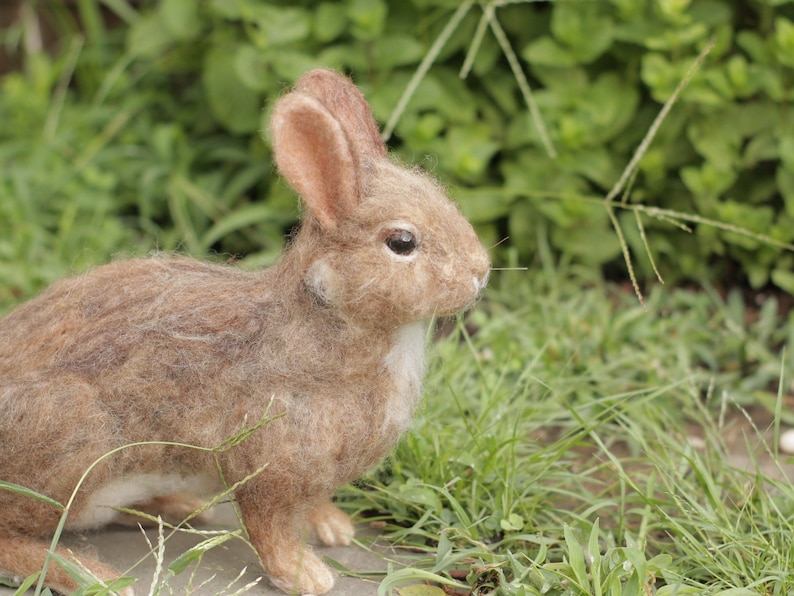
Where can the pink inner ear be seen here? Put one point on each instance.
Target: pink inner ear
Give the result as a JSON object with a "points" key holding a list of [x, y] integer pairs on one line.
{"points": [[347, 104], [314, 155]]}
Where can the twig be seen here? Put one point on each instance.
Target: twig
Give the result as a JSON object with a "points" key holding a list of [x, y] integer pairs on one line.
{"points": [[624, 247], [521, 79], [627, 177], [648, 138], [424, 66]]}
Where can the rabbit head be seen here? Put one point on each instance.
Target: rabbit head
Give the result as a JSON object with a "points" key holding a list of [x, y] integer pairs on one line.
{"points": [[388, 245]]}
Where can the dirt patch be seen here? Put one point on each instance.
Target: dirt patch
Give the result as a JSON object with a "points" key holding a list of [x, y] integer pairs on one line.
{"points": [[749, 436]]}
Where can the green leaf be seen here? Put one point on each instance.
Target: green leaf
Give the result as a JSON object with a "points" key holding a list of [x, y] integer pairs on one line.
{"points": [[576, 557], [444, 547], [610, 104], [122, 9], [785, 180], [397, 50], [786, 150], [659, 563], [636, 557], [226, 9], [755, 218], [674, 10], [545, 51], [784, 40], [674, 39], [783, 279], [253, 68], [661, 75], [583, 29], [149, 37], [441, 91], [738, 73], [759, 48], [720, 145], [591, 242], [330, 20], [290, 65], [594, 552], [471, 150], [368, 18], [278, 25], [483, 205], [413, 574], [594, 163], [181, 18], [420, 495], [707, 181], [512, 523], [676, 590], [88, 584], [421, 590], [233, 103]]}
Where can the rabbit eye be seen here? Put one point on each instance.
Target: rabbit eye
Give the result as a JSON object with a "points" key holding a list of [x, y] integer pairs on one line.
{"points": [[401, 242]]}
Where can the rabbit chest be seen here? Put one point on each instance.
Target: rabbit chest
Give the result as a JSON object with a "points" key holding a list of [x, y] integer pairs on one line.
{"points": [[338, 434], [405, 363]]}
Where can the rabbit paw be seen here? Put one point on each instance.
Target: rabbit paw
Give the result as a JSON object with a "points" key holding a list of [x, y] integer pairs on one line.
{"points": [[307, 575], [332, 525]]}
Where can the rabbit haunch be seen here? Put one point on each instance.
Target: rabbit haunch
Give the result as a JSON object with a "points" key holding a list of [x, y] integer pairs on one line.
{"points": [[329, 343]]}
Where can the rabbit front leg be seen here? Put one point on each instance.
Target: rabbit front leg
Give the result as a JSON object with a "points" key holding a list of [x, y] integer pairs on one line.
{"points": [[275, 529]]}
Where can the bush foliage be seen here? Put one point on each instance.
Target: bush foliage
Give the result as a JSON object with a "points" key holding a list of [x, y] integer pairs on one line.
{"points": [[142, 127]]}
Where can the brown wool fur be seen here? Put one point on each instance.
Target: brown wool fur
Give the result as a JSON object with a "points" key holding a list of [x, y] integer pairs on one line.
{"points": [[331, 339]]}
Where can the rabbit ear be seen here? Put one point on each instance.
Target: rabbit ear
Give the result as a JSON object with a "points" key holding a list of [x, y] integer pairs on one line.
{"points": [[347, 104], [313, 154]]}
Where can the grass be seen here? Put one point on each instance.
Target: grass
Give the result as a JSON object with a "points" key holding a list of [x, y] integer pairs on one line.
{"points": [[574, 444]]}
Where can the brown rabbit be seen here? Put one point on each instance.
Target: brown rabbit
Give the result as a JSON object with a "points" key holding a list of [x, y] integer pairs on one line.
{"points": [[330, 339]]}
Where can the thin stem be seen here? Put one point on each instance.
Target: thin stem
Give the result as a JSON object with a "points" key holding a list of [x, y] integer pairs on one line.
{"points": [[648, 138], [424, 66], [521, 79]]}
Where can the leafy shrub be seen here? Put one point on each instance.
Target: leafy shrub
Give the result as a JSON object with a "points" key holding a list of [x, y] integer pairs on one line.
{"points": [[602, 69], [148, 131]]}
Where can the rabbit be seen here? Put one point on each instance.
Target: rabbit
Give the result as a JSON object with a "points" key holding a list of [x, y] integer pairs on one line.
{"points": [[328, 344]]}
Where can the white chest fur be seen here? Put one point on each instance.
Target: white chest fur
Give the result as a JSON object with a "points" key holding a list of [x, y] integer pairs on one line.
{"points": [[137, 489], [405, 363]]}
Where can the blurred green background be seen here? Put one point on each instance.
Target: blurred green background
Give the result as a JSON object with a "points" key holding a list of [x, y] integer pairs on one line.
{"points": [[128, 126]]}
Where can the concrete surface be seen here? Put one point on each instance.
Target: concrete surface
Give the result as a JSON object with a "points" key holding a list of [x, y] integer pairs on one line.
{"points": [[126, 549]]}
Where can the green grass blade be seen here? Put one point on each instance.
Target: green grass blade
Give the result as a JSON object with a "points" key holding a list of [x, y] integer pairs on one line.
{"points": [[21, 490]]}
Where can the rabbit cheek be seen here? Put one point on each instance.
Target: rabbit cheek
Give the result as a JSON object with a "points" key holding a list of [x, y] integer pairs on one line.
{"points": [[321, 282]]}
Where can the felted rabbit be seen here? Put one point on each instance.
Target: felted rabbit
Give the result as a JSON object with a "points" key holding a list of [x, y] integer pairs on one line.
{"points": [[329, 343]]}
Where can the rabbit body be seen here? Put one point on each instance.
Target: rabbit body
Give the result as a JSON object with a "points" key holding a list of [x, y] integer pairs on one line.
{"points": [[328, 343]]}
